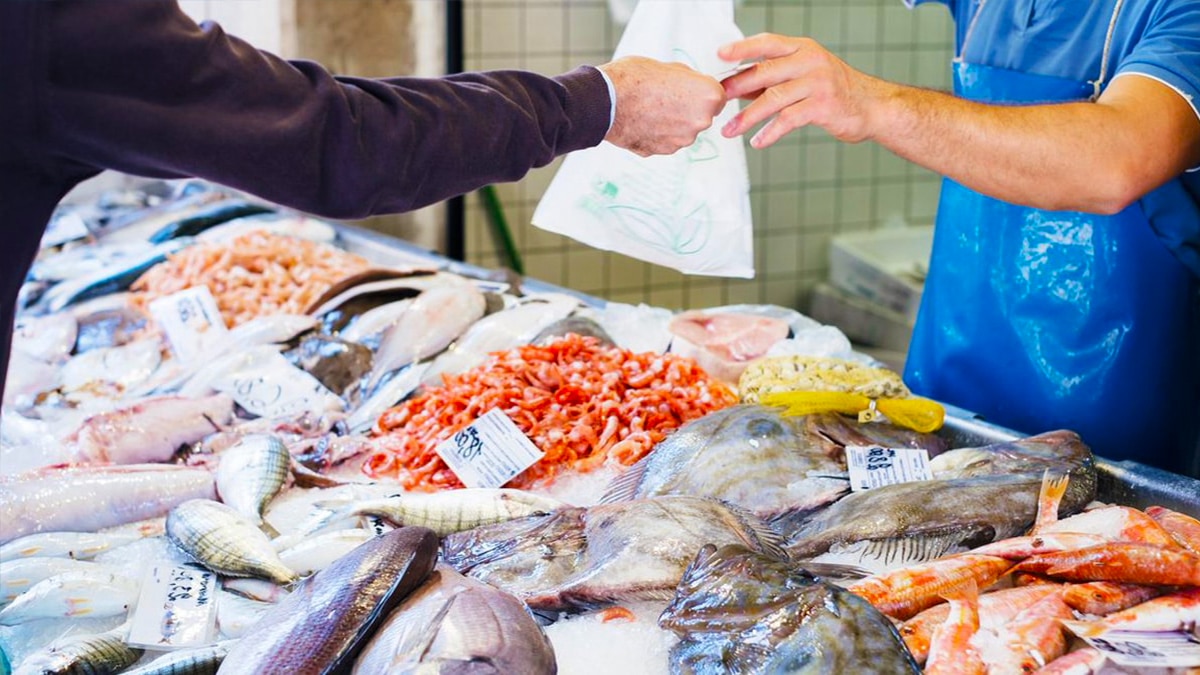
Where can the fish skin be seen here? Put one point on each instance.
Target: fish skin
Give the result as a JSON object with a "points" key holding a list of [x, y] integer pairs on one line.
{"points": [[995, 609], [577, 325], [86, 499], [1105, 597], [1116, 523], [197, 661], [322, 626], [77, 545], [453, 623], [251, 473], [1182, 527], [18, 576], [965, 508], [1033, 639], [950, 649], [434, 319], [738, 611], [314, 554], [1178, 611], [335, 362], [584, 558], [151, 430], [224, 541], [1128, 563], [458, 510], [903, 593], [88, 593], [94, 654], [749, 455]]}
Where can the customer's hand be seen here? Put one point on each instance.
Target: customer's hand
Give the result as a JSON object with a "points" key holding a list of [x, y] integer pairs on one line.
{"points": [[799, 82], [661, 107]]}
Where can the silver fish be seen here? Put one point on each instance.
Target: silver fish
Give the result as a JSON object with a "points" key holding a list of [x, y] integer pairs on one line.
{"points": [[197, 661], [224, 541], [314, 554], [18, 576], [322, 626], [150, 431], [335, 362], [738, 611], [367, 328], [576, 325], [259, 590], [237, 614], [969, 505], [581, 558], [506, 329], [453, 623], [86, 499], [95, 654], [749, 455], [111, 371], [80, 593], [434, 319], [109, 279], [458, 510], [251, 473], [77, 545]]}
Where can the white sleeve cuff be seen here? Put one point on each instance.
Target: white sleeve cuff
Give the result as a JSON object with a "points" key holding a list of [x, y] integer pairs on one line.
{"points": [[612, 97]]}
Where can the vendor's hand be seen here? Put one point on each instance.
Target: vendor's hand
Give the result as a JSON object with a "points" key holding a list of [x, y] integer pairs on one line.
{"points": [[799, 82], [661, 107]]}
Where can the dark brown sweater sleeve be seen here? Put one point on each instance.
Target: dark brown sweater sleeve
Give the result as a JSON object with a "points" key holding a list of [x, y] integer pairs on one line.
{"points": [[139, 87]]}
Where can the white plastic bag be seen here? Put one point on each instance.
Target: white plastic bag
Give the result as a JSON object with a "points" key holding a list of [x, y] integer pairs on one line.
{"points": [[690, 210]]}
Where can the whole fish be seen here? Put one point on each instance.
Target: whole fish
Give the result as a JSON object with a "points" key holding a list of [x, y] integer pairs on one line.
{"points": [[77, 545], [749, 455], [458, 510], [738, 611], [1182, 527], [1105, 597], [313, 554], [1120, 562], [49, 338], [251, 473], [80, 593], [110, 321], [86, 499], [196, 661], [224, 541], [904, 592], [109, 279], [368, 326], [1115, 523], [18, 576], [335, 362], [582, 558], [906, 523], [207, 217], [434, 319], [1179, 611], [322, 626], [577, 325], [152, 430], [950, 648], [505, 329], [94, 654], [455, 624], [111, 371], [1034, 638]]}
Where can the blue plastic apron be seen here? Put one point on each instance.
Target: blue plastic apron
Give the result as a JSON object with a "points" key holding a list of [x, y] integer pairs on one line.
{"points": [[1039, 320]]}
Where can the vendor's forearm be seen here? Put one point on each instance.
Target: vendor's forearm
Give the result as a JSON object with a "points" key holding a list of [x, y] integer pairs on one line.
{"points": [[1071, 156]]}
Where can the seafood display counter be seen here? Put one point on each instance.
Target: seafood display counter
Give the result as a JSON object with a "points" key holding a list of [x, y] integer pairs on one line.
{"points": [[241, 440]]}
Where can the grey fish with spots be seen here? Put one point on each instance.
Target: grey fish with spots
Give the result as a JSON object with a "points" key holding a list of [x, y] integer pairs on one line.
{"points": [[581, 558], [738, 611]]}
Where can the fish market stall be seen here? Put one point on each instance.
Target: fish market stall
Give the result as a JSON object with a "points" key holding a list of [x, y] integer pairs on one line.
{"points": [[240, 439]]}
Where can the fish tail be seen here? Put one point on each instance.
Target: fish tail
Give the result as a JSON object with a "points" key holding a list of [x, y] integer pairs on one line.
{"points": [[1054, 488]]}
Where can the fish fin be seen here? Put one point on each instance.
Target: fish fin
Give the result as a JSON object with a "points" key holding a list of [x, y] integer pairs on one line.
{"points": [[1084, 629], [268, 529], [625, 486], [307, 478], [768, 539], [967, 590], [791, 521], [911, 550], [1054, 487], [834, 570]]}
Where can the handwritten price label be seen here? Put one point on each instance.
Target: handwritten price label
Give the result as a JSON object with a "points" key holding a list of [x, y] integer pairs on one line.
{"points": [[1145, 649], [189, 318], [176, 608], [269, 386], [489, 452], [872, 466]]}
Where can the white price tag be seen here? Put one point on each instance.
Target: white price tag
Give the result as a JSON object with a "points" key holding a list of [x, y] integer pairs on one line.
{"points": [[67, 227], [190, 318], [490, 451], [176, 608], [269, 386], [873, 466], [1145, 649]]}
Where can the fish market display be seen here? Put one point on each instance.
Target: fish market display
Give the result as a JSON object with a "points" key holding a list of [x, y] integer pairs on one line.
{"points": [[453, 623], [588, 557], [578, 402], [739, 611], [321, 627], [253, 275], [677, 522]]}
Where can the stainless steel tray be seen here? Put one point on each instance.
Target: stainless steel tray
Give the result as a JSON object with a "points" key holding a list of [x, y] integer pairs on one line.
{"points": [[1126, 482]]}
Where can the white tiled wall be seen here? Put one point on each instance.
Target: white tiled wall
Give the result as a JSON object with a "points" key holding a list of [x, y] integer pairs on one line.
{"points": [[256, 21], [804, 190]]}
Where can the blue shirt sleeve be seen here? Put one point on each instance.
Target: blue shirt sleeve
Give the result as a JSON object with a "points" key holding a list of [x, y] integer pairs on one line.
{"points": [[1169, 49]]}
